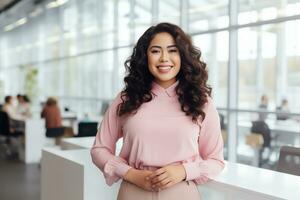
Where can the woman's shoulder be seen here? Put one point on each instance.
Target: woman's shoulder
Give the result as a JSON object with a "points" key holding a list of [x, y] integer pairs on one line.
{"points": [[207, 105], [116, 101], [207, 108]]}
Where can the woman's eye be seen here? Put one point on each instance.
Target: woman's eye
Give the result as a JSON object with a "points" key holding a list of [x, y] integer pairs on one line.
{"points": [[173, 50], [154, 51]]}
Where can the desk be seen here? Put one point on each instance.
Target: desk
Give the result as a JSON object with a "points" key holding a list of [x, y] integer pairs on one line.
{"points": [[70, 119], [71, 175], [278, 127], [284, 133]]}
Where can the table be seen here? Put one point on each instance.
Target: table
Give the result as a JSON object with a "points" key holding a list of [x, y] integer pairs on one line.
{"points": [[283, 133]]}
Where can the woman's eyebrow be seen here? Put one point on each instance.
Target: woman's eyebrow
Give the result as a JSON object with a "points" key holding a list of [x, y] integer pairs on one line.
{"points": [[155, 46], [170, 46]]}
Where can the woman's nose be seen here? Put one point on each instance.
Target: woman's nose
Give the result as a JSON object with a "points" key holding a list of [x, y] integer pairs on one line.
{"points": [[164, 57]]}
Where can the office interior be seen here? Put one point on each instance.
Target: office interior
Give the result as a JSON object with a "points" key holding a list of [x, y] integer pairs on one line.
{"points": [[75, 51]]}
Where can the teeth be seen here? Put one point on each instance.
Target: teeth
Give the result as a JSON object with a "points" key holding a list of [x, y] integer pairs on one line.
{"points": [[164, 67]]}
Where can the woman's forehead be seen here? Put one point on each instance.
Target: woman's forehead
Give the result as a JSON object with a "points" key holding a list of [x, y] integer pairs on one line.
{"points": [[162, 39]]}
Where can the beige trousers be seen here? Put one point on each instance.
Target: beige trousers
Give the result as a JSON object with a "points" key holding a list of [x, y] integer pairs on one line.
{"points": [[186, 190]]}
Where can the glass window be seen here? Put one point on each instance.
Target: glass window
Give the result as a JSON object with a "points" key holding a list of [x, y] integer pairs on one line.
{"points": [[143, 17], [205, 15], [268, 58], [257, 10], [214, 49], [169, 11]]}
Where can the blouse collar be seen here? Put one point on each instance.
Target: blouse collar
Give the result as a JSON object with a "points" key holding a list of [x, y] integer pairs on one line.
{"points": [[159, 90]]}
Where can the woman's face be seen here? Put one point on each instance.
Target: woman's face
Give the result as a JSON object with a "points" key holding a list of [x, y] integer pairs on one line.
{"points": [[163, 59]]}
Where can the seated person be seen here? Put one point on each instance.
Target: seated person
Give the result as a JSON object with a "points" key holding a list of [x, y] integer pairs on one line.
{"points": [[264, 102], [23, 107], [53, 119], [17, 122], [51, 113], [284, 107]]}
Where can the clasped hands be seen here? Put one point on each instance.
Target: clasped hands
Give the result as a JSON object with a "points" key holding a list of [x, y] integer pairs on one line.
{"points": [[157, 180]]}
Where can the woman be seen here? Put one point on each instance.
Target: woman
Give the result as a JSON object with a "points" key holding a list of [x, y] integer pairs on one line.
{"points": [[51, 113], [23, 107], [170, 127]]}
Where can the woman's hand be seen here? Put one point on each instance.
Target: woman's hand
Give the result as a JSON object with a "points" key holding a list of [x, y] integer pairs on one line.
{"points": [[139, 178], [167, 176]]}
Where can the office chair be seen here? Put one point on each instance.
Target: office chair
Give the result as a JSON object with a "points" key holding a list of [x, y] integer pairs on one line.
{"points": [[262, 128], [55, 132], [86, 129], [7, 134], [260, 140], [289, 160]]}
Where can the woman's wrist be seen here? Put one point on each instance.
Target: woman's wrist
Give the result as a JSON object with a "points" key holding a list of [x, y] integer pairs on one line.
{"points": [[183, 172], [129, 176]]}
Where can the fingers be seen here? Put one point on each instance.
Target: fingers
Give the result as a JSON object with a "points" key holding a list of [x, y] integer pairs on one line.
{"points": [[159, 178], [162, 183], [157, 173], [169, 184]]}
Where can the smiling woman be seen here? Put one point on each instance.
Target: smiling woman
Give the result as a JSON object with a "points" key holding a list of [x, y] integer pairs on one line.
{"points": [[169, 124], [163, 59]]}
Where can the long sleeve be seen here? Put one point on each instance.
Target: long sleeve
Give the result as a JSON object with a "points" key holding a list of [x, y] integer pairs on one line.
{"points": [[103, 151], [210, 161]]}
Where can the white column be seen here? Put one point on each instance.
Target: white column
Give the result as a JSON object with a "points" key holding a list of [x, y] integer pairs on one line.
{"points": [[213, 67], [281, 60], [154, 10], [132, 22], [184, 16], [115, 75], [232, 96], [259, 66]]}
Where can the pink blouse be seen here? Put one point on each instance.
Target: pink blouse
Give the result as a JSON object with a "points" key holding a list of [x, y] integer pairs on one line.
{"points": [[160, 134]]}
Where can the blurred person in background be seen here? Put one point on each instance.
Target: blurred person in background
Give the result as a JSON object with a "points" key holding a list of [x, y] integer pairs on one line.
{"points": [[23, 107], [263, 106], [284, 107], [52, 114], [17, 121]]}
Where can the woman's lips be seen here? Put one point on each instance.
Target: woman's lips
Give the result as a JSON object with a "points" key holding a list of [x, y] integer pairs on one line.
{"points": [[164, 68]]}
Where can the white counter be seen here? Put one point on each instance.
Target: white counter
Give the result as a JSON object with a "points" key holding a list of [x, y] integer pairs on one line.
{"points": [[84, 143], [77, 143], [70, 174], [245, 182], [34, 141]]}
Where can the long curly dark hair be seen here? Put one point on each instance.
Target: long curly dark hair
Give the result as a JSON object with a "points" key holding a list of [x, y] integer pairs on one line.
{"points": [[192, 89]]}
